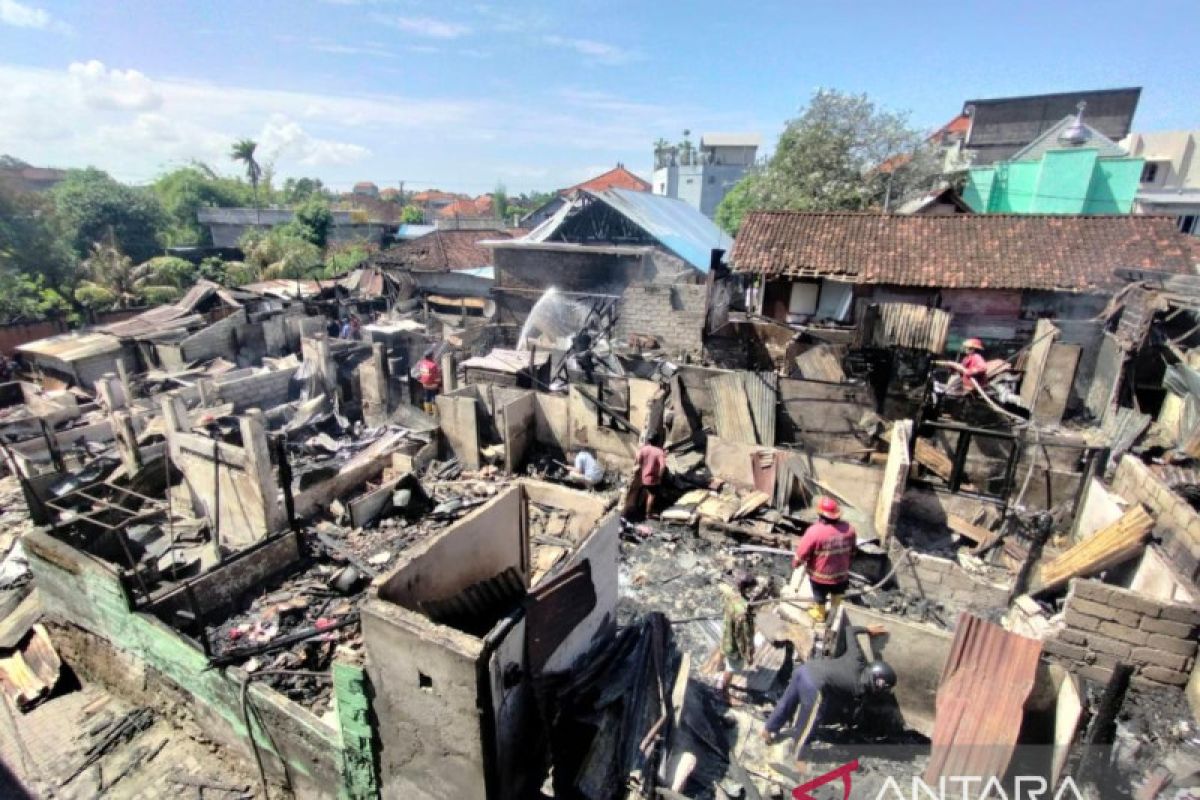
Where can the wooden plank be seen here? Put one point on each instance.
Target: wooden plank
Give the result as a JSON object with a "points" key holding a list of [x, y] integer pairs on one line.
{"points": [[1108, 547], [965, 528], [1044, 335], [821, 363], [1057, 377]]}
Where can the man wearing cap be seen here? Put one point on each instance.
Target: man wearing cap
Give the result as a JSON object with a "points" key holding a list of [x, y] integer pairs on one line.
{"points": [[826, 549]]}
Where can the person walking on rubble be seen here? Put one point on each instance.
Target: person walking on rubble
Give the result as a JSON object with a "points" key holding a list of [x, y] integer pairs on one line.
{"points": [[828, 690], [737, 636], [429, 375], [826, 549], [651, 463]]}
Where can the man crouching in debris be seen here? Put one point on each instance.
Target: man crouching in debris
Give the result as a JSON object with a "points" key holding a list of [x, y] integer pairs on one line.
{"points": [[586, 470], [830, 690], [826, 550], [737, 636]]}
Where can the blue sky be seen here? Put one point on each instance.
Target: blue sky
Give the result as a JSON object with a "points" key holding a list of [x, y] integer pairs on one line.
{"points": [[536, 95]]}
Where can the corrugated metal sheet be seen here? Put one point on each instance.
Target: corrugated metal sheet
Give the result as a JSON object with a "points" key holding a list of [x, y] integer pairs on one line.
{"points": [[73, 346], [731, 409], [762, 393], [285, 288], [987, 678], [486, 599], [31, 672], [508, 361], [909, 325], [673, 223], [180, 314], [680, 228]]}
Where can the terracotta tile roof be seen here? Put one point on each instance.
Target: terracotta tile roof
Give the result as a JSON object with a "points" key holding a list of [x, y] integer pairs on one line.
{"points": [[962, 251], [466, 207], [443, 250], [616, 178]]}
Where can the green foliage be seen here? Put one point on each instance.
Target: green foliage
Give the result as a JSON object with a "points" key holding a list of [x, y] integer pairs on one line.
{"points": [[111, 279], [30, 243], [830, 158], [183, 191], [243, 150], [238, 273], [412, 215], [341, 259], [279, 253], [23, 297], [169, 271], [313, 221], [297, 190], [157, 295], [500, 202], [95, 297], [212, 269], [91, 207]]}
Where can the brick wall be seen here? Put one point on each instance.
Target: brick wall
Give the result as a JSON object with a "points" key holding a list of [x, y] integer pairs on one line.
{"points": [[674, 315], [264, 390], [216, 339], [1105, 625], [1176, 523], [942, 580]]}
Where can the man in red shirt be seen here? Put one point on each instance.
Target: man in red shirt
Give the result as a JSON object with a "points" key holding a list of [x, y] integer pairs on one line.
{"points": [[429, 375], [826, 549], [651, 463], [972, 367]]}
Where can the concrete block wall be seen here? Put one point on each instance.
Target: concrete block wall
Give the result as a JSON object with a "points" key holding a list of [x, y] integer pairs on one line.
{"points": [[1176, 523], [216, 339], [942, 580], [264, 390], [674, 315], [1105, 625]]}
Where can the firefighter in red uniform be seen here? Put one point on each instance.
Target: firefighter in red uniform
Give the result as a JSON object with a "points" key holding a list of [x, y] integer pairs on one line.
{"points": [[429, 375], [972, 367], [826, 549]]}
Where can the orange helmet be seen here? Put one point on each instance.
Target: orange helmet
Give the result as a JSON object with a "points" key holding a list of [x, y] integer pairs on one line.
{"points": [[828, 507], [972, 344]]}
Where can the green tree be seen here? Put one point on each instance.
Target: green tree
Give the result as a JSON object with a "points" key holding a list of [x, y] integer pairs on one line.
{"points": [[500, 202], [168, 271], [297, 190], [30, 240], [110, 278], [279, 253], [340, 259], [91, 207], [412, 215], [184, 191], [841, 153], [243, 150], [313, 221]]}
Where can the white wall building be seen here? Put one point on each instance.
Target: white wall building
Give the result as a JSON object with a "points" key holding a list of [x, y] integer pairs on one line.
{"points": [[1170, 177], [701, 177]]}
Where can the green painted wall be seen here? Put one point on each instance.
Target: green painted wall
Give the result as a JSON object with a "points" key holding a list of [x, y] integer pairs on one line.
{"points": [[1061, 182], [1064, 181], [77, 589]]}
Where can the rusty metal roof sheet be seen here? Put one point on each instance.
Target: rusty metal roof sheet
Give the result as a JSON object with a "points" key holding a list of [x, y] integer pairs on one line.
{"points": [[486, 599], [183, 313], [30, 673], [73, 346], [987, 678]]}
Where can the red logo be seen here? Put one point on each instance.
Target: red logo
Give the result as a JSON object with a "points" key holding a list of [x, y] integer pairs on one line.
{"points": [[843, 772]]}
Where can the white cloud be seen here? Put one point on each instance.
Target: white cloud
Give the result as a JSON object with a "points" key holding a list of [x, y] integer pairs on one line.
{"points": [[283, 138], [20, 15], [426, 26], [592, 50], [334, 48], [102, 87]]}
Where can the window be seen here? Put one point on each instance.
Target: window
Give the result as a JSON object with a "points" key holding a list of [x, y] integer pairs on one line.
{"points": [[824, 300], [689, 180], [1187, 224], [1149, 171], [802, 303]]}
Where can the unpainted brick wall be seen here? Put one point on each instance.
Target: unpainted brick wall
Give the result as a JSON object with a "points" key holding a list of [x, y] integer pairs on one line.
{"points": [[215, 340], [674, 315], [941, 580], [1176, 523], [1106, 625]]}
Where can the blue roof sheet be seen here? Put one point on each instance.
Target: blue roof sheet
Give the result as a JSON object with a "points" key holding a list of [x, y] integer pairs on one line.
{"points": [[676, 225]]}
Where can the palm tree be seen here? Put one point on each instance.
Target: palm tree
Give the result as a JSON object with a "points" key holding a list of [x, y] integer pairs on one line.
{"points": [[243, 150]]}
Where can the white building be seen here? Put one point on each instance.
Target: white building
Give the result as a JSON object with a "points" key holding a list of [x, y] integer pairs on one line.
{"points": [[701, 177], [1170, 177]]}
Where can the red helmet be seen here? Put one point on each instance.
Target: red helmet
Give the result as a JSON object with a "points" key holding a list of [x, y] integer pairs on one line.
{"points": [[828, 507], [972, 344]]}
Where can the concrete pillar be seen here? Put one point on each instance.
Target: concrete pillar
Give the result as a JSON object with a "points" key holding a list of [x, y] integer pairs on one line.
{"points": [[127, 443], [449, 372], [111, 392], [373, 386]]}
